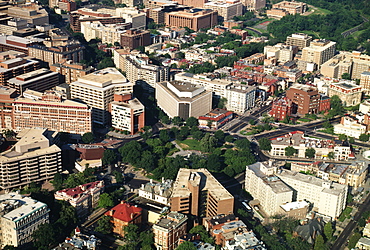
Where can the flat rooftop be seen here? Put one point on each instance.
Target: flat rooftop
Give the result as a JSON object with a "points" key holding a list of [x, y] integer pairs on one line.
{"points": [[173, 220], [105, 75], [294, 205], [297, 138]]}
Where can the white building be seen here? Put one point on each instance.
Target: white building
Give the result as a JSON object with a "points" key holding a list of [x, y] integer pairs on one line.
{"points": [[97, 91], [265, 187], [226, 9], [108, 33], [133, 16], [240, 98], [243, 241], [281, 52], [350, 127], [20, 217], [158, 192], [327, 198]]}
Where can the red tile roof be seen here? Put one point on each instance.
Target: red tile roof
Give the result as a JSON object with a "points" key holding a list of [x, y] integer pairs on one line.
{"points": [[124, 212]]}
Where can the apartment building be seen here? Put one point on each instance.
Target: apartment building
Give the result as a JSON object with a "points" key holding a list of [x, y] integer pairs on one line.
{"points": [[124, 214], [282, 53], [265, 187], [254, 5], [139, 70], [16, 66], [66, 5], [7, 96], [157, 192], [319, 51], [285, 8], [240, 98], [33, 13], [337, 66], [349, 92], [196, 192], [73, 51], [327, 198], [365, 82], [50, 110], [32, 159], [342, 150], [168, 230], [20, 217], [194, 19], [83, 198], [71, 71], [281, 109], [128, 114], [300, 40], [350, 126], [306, 99], [97, 91], [133, 38], [108, 33], [183, 99], [226, 10], [244, 240], [136, 17]]}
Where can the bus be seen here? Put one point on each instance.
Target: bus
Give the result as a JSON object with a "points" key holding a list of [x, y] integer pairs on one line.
{"points": [[248, 208]]}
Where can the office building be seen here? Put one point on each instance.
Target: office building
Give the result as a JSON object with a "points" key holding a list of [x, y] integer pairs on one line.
{"points": [[269, 190], [306, 99], [183, 99], [71, 71], [135, 16], [97, 91], [194, 19], [124, 214], [49, 110], [168, 230], [128, 114], [84, 198], [7, 96], [38, 80], [20, 216], [349, 92], [33, 13], [341, 150], [108, 33], [365, 82], [319, 51], [16, 43], [285, 8], [300, 40], [350, 126], [196, 192], [134, 38], [254, 5], [226, 10], [32, 159], [240, 98], [281, 109], [326, 197]]}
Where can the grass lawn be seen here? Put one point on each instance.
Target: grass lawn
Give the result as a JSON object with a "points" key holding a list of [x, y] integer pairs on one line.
{"points": [[320, 11], [328, 131], [189, 144], [304, 120], [345, 214]]}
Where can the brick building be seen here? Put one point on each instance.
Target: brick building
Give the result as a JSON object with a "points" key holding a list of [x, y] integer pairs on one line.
{"points": [[194, 19], [71, 71], [324, 103], [7, 96], [134, 38], [306, 99], [281, 109]]}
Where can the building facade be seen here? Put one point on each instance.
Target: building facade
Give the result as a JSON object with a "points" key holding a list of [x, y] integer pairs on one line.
{"points": [[71, 71], [349, 92], [306, 99], [281, 109], [319, 51], [240, 98], [226, 9], [194, 19], [300, 40], [133, 38]]}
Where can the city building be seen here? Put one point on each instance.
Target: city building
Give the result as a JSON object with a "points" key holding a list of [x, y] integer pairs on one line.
{"points": [[157, 192], [285, 8], [254, 5], [306, 99], [108, 33], [283, 53], [337, 66], [300, 40], [168, 230], [240, 98], [16, 43], [295, 209], [38, 80], [194, 19], [244, 241], [32, 159], [281, 109], [215, 119], [32, 12], [183, 99], [20, 216], [226, 10], [133, 38], [78, 241], [7, 96], [319, 51], [268, 191], [83, 198], [128, 114], [325, 103], [97, 91], [340, 150], [196, 192], [361, 63], [135, 16], [49, 110], [365, 82], [71, 71], [326, 197], [350, 126], [349, 92], [124, 214]]}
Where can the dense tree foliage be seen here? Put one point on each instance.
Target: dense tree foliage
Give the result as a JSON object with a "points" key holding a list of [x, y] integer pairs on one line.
{"points": [[88, 137], [310, 153], [290, 151], [265, 144], [105, 225], [109, 157]]}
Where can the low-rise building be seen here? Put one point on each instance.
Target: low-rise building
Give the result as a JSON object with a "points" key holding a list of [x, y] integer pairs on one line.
{"points": [[215, 119], [157, 192], [254, 5], [71, 71], [285, 8], [295, 209], [245, 240], [347, 91], [83, 198], [350, 126], [281, 109], [122, 215], [20, 216], [168, 230]]}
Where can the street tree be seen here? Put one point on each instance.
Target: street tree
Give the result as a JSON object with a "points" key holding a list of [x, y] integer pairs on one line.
{"points": [[290, 151], [310, 153], [130, 236], [105, 225], [331, 155], [229, 138], [109, 157], [44, 236], [57, 182], [265, 144], [328, 231], [364, 137], [88, 137], [319, 243], [342, 137], [105, 200], [243, 144], [164, 136], [192, 121], [213, 163], [131, 152], [186, 245]]}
